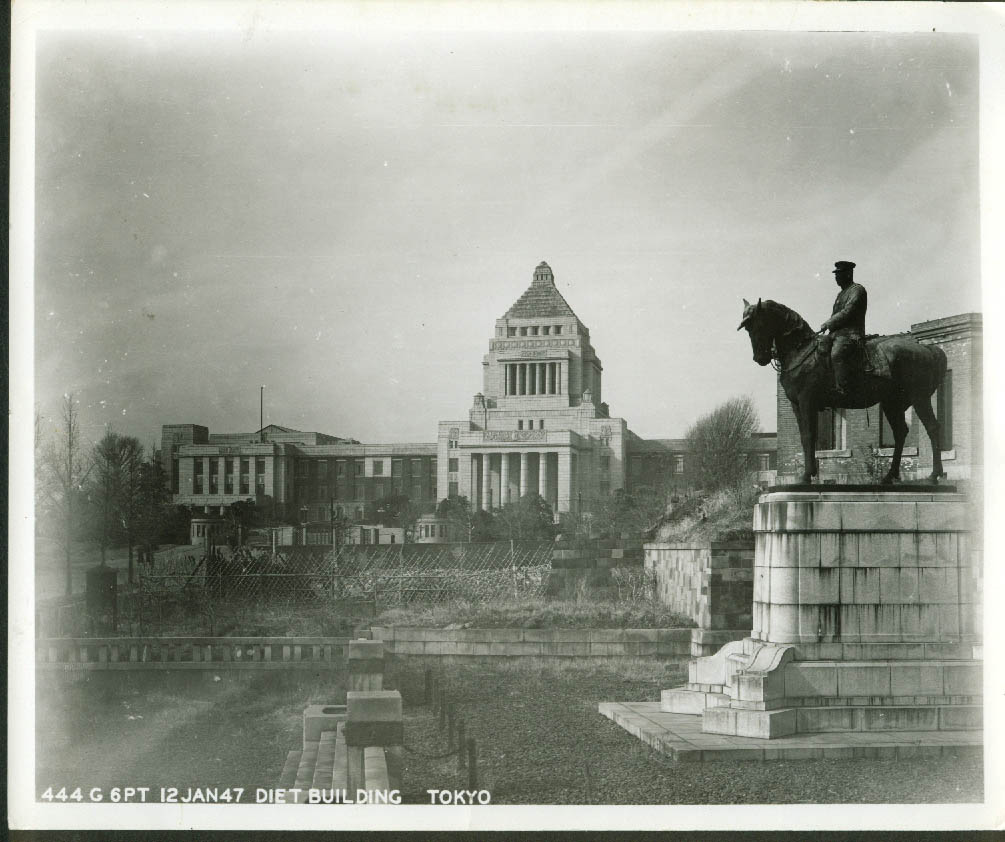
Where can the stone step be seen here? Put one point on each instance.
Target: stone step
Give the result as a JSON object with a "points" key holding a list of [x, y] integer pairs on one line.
{"points": [[781, 722], [687, 700], [305, 770], [289, 774], [324, 767]]}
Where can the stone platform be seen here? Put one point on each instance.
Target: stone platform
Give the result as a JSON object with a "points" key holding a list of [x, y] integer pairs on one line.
{"points": [[679, 735], [866, 618]]}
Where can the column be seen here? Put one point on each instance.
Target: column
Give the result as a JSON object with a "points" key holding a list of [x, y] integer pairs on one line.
{"points": [[552, 379], [504, 479], [564, 481], [532, 375], [558, 376], [486, 463], [542, 378], [512, 374], [523, 473], [542, 475], [505, 378], [521, 378]]}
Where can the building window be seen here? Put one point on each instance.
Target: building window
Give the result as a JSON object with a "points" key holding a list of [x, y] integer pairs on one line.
{"points": [[558, 329], [533, 331], [452, 465], [540, 424], [358, 491], [511, 331], [519, 424], [358, 469], [416, 490], [452, 489], [395, 467], [546, 330], [214, 478], [322, 468], [323, 492], [764, 462], [523, 331], [944, 411], [378, 491], [831, 429], [245, 476], [197, 477], [530, 423], [378, 467], [605, 462], [678, 464], [339, 469], [416, 467], [302, 469]]}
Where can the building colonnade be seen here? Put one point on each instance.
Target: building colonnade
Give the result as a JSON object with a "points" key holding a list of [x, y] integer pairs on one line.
{"points": [[533, 378], [501, 477]]}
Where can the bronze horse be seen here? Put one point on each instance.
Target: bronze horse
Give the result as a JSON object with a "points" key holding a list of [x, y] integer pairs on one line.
{"points": [[905, 373]]}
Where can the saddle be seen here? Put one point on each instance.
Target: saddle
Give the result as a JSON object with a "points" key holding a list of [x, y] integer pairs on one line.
{"points": [[873, 358]]}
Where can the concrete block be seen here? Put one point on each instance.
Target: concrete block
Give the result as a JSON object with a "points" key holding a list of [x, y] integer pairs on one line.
{"points": [[784, 585], [321, 718], [810, 679], [679, 700], [962, 718], [926, 549], [938, 585], [942, 516], [819, 585], [838, 550], [365, 650], [947, 549], [765, 724], [783, 624], [567, 649], [898, 719], [885, 516], [374, 706], [879, 549], [811, 720], [863, 679], [949, 620], [965, 679], [919, 622], [879, 623], [897, 585], [719, 720], [761, 584]]}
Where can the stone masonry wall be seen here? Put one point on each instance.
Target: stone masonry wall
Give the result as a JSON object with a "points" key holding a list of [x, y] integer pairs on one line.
{"points": [[578, 565], [711, 582]]}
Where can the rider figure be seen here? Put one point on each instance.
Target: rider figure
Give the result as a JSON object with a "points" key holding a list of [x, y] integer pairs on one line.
{"points": [[847, 327]]}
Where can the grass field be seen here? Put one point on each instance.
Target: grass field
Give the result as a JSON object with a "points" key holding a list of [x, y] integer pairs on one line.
{"points": [[540, 740]]}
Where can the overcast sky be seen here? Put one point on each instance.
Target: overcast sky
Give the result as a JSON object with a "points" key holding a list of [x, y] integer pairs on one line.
{"points": [[342, 218]]}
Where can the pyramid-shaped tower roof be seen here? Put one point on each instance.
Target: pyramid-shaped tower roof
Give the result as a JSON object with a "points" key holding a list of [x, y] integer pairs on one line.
{"points": [[541, 299]]}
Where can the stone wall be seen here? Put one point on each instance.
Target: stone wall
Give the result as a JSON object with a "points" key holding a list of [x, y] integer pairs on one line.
{"points": [[541, 643], [585, 565], [709, 581]]}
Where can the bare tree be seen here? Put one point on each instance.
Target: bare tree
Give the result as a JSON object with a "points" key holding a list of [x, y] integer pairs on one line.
{"points": [[717, 444], [61, 476]]}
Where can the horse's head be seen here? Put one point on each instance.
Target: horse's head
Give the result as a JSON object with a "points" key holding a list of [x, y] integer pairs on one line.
{"points": [[761, 337]]}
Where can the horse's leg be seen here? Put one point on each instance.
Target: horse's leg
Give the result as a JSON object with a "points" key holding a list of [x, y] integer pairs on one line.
{"points": [[807, 417], [895, 417], [923, 406]]}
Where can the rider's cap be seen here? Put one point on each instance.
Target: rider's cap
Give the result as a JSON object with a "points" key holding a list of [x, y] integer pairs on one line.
{"points": [[843, 265]]}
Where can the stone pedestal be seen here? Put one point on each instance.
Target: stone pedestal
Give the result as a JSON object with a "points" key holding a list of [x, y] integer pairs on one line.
{"points": [[866, 616]]}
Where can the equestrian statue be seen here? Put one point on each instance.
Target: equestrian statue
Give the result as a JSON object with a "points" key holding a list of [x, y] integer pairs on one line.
{"points": [[847, 369]]}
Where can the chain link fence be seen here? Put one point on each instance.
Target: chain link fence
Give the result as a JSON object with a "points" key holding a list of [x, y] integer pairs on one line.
{"points": [[211, 592]]}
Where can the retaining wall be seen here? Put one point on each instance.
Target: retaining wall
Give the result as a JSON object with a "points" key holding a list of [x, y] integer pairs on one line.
{"points": [[712, 582], [540, 643]]}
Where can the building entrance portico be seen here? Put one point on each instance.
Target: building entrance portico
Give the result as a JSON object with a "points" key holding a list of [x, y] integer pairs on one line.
{"points": [[501, 477]]}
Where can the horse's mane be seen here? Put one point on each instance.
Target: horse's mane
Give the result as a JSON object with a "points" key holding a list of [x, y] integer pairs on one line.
{"points": [[789, 319]]}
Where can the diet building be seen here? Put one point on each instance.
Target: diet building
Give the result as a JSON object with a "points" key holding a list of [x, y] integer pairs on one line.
{"points": [[539, 424]]}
